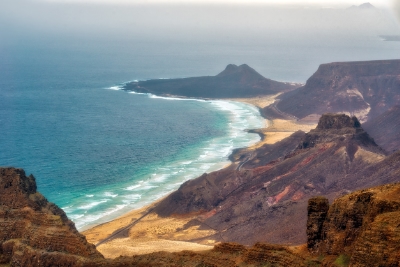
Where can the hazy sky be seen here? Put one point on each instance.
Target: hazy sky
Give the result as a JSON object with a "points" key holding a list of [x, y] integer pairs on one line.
{"points": [[297, 2]]}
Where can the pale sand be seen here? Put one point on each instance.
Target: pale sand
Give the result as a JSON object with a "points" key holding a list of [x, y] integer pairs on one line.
{"points": [[153, 233], [129, 247], [260, 102]]}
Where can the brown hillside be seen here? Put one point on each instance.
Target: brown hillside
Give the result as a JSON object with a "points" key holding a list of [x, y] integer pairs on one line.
{"points": [[246, 206]]}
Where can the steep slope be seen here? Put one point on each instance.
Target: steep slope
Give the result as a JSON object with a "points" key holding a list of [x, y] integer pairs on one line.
{"points": [[33, 231], [362, 226], [385, 129], [246, 206], [234, 81], [364, 89]]}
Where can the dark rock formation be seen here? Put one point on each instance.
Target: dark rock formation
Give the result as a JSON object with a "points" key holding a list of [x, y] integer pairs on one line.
{"points": [[33, 231], [234, 81], [317, 210], [364, 225], [245, 206], [365, 89], [385, 129]]}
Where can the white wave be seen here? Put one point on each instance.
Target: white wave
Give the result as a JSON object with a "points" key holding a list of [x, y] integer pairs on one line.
{"points": [[117, 87], [89, 219], [92, 204], [110, 194], [176, 98]]}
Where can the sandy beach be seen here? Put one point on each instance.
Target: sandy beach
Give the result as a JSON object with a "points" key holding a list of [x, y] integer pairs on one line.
{"points": [[142, 231]]}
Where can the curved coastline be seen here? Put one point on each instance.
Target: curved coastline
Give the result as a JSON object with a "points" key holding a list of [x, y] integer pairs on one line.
{"points": [[238, 111], [142, 231]]}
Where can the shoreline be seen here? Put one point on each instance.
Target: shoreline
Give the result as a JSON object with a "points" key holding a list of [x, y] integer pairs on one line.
{"points": [[140, 231], [207, 155]]}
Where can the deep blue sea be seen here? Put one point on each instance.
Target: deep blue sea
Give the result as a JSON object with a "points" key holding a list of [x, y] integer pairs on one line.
{"points": [[98, 152]]}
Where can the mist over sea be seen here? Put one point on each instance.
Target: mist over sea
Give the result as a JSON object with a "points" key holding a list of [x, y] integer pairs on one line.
{"points": [[98, 152]]}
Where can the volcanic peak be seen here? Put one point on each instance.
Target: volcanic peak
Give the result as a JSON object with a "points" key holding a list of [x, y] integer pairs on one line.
{"points": [[243, 69], [341, 129], [337, 121]]}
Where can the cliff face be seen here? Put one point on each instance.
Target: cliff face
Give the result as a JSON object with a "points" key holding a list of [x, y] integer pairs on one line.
{"points": [[33, 231], [364, 225], [364, 89], [385, 129], [234, 81], [245, 206]]}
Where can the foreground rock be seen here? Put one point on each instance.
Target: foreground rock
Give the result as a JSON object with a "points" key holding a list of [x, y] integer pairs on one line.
{"points": [[233, 82], [33, 231], [362, 228]]}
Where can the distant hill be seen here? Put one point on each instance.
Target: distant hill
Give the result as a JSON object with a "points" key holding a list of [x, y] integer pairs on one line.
{"points": [[385, 129], [275, 182], [364, 6], [234, 81], [365, 89]]}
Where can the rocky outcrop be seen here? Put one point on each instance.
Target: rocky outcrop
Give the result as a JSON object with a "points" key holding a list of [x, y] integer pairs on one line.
{"points": [[234, 81], [364, 225], [364, 89], [34, 231], [317, 210]]}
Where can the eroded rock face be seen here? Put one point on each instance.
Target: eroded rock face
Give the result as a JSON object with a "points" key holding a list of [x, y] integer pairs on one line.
{"points": [[316, 213], [34, 231], [385, 129], [364, 225], [365, 89]]}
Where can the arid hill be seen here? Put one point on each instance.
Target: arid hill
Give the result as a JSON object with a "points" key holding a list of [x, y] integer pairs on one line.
{"points": [[234, 81], [385, 129], [364, 89], [249, 204]]}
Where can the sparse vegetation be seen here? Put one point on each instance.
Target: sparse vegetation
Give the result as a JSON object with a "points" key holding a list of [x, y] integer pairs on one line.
{"points": [[342, 261]]}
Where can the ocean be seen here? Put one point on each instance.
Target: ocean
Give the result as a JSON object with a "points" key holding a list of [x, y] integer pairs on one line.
{"points": [[97, 151]]}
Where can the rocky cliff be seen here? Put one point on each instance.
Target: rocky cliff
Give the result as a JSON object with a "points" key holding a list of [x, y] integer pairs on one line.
{"points": [[385, 129], [363, 227], [234, 81], [33, 231], [246, 205], [364, 89]]}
